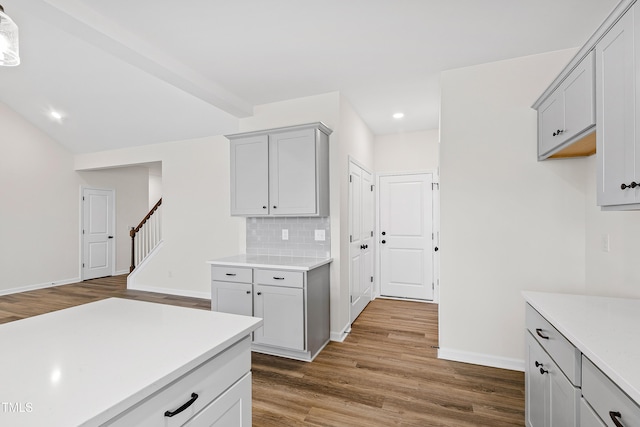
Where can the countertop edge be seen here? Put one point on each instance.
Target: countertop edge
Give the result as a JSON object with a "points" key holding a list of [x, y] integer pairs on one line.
{"points": [[629, 389], [257, 264]]}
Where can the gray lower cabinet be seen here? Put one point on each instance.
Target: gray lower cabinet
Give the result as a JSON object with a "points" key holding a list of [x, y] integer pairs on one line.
{"points": [[552, 376], [293, 304]]}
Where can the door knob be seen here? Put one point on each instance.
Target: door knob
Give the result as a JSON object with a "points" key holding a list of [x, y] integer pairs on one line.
{"points": [[383, 242]]}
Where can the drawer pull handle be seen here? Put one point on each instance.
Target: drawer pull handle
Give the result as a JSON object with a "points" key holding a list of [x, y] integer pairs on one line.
{"points": [[543, 371], [278, 278], [194, 396], [248, 292], [230, 274], [614, 417], [539, 332], [259, 293]]}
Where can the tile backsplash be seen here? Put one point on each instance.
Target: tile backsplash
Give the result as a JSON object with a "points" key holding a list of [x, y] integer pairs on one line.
{"points": [[264, 236]]}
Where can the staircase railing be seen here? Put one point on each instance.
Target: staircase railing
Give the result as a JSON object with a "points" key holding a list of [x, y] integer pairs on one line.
{"points": [[146, 235]]}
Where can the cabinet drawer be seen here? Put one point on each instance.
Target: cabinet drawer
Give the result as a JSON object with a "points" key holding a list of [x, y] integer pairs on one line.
{"points": [[566, 356], [606, 398], [232, 409], [208, 381], [588, 418], [232, 274], [291, 279]]}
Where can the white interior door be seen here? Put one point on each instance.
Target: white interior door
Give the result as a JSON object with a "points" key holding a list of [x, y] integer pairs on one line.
{"points": [[406, 236], [98, 223], [361, 213]]}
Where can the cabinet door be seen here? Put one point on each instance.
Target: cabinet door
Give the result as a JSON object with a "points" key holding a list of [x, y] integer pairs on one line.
{"points": [[282, 311], [250, 176], [578, 91], [292, 172], [231, 409], [536, 385], [550, 120], [615, 108], [234, 298]]}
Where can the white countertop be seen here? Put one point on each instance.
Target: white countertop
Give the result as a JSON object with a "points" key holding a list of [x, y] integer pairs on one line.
{"points": [[88, 363], [606, 330], [272, 261]]}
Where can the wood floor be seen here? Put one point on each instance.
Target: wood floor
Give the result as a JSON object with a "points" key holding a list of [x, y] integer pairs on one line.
{"points": [[384, 374]]}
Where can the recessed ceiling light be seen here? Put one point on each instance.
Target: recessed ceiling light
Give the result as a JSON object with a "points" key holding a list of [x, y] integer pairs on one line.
{"points": [[398, 115]]}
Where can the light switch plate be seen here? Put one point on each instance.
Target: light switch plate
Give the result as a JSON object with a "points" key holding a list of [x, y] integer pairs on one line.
{"points": [[319, 236], [285, 234]]}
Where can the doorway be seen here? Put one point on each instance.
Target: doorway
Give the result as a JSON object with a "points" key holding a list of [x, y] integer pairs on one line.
{"points": [[97, 234], [407, 242]]}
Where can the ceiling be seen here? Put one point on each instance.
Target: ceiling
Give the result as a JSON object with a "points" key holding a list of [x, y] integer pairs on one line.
{"points": [[125, 73]]}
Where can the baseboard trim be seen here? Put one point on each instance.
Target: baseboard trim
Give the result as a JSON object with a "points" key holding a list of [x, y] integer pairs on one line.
{"points": [[481, 359], [39, 286], [341, 336]]}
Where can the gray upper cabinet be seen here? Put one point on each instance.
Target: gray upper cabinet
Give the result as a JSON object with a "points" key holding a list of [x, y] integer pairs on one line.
{"points": [[618, 139], [282, 171], [567, 114]]}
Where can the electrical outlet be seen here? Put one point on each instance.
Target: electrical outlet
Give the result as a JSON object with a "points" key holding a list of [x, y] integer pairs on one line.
{"points": [[285, 234], [319, 235], [606, 247]]}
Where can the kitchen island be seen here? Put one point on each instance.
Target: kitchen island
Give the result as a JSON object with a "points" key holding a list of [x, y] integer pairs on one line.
{"points": [[124, 362]]}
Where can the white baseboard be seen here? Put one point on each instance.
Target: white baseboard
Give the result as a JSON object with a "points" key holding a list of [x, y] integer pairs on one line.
{"points": [[169, 291], [121, 272], [481, 359], [38, 286], [341, 336]]}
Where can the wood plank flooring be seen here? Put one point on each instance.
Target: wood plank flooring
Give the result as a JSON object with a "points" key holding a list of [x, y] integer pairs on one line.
{"points": [[385, 373]]}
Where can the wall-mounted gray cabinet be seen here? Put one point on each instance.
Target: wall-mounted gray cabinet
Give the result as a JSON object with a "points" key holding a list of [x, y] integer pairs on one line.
{"points": [[618, 139], [568, 113], [281, 172]]}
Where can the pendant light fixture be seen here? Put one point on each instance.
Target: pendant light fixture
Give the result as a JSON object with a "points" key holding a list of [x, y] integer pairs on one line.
{"points": [[9, 55]]}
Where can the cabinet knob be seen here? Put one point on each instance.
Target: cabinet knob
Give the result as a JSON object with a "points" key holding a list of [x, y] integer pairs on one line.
{"points": [[248, 292], [259, 293], [264, 207], [543, 371], [384, 233], [275, 207], [538, 364], [436, 249], [614, 417], [383, 242]]}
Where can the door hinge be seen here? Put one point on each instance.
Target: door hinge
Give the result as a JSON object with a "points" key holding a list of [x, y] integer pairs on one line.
{"points": [[435, 185], [351, 299], [83, 198], [82, 231], [350, 238], [350, 178], [83, 265], [371, 279], [372, 187], [371, 233]]}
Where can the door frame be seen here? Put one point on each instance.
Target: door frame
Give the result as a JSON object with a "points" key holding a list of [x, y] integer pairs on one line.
{"points": [[436, 233], [113, 227]]}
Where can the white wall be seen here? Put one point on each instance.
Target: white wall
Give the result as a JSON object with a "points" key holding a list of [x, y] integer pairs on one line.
{"points": [[617, 272], [195, 202], [508, 222], [404, 152], [40, 207]]}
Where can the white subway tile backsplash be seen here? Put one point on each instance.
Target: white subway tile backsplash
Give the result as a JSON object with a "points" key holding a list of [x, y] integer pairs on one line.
{"points": [[264, 236]]}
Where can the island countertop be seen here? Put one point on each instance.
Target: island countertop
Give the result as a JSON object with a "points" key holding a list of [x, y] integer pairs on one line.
{"points": [[86, 364], [604, 329], [272, 261]]}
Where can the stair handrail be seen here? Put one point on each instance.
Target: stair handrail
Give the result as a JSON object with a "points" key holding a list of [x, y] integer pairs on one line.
{"points": [[135, 230]]}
